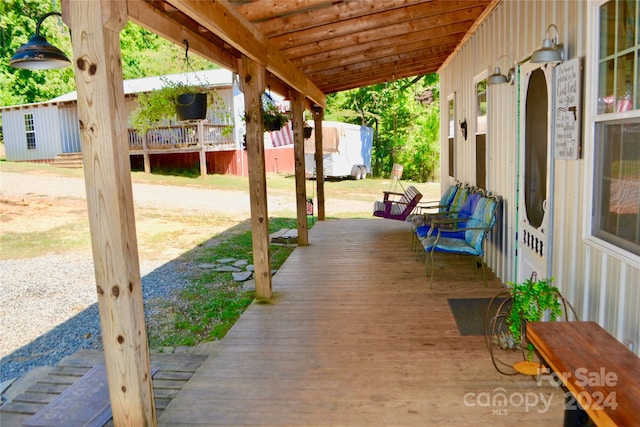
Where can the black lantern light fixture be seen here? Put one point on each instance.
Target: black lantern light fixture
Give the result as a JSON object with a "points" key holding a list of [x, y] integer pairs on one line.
{"points": [[498, 78], [38, 53], [550, 52]]}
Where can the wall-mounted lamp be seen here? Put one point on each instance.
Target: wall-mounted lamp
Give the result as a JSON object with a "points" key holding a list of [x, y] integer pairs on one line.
{"points": [[463, 128], [551, 51], [38, 53], [498, 78]]}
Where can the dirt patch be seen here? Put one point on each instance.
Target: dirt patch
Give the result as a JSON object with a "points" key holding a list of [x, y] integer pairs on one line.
{"points": [[28, 214], [162, 234]]}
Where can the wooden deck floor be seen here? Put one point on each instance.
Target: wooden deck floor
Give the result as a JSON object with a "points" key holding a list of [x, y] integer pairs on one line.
{"points": [[355, 337]]}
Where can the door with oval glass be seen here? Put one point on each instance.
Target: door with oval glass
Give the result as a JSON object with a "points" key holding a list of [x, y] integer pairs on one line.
{"points": [[535, 188]]}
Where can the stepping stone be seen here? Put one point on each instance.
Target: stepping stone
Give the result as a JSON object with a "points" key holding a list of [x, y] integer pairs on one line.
{"points": [[227, 268], [242, 276], [226, 260], [241, 263]]}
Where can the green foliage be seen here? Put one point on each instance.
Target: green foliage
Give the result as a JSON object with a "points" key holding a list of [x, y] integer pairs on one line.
{"points": [[273, 117], [209, 307], [406, 117], [143, 53], [531, 301]]}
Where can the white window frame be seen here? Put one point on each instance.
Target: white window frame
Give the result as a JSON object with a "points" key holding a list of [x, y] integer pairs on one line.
{"points": [[477, 131], [29, 118], [591, 119], [451, 134]]}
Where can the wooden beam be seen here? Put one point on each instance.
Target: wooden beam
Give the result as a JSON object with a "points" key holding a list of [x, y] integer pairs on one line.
{"points": [[225, 22], [146, 15], [318, 117], [102, 116], [252, 83], [297, 110]]}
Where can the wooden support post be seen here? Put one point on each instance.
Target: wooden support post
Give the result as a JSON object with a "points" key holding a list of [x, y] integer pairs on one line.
{"points": [[252, 81], [145, 154], [203, 152], [102, 115], [318, 116], [297, 110]]}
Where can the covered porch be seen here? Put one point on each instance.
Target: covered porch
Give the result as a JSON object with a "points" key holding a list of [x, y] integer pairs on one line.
{"points": [[354, 336]]}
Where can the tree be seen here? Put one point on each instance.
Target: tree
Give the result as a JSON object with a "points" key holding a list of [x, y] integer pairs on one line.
{"points": [[406, 119], [143, 53]]}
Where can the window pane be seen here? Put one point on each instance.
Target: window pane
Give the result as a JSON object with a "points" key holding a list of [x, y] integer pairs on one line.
{"points": [[481, 107], [31, 141], [452, 120], [626, 24], [624, 89], [617, 217], [607, 29], [606, 96]]}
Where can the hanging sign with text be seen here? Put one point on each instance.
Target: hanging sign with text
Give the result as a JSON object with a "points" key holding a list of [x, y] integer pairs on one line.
{"points": [[568, 111]]}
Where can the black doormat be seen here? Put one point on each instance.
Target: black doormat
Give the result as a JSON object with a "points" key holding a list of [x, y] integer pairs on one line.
{"points": [[470, 313]]}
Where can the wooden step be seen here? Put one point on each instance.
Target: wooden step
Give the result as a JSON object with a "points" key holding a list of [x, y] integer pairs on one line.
{"points": [[68, 160]]}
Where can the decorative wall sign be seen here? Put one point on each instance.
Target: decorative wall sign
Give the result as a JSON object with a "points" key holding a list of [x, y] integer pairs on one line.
{"points": [[568, 110]]}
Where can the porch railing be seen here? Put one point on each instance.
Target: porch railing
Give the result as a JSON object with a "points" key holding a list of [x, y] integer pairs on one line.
{"points": [[189, 135]]}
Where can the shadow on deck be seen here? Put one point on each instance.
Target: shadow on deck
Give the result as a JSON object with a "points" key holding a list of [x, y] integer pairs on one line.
{"points": [[355, 337]]}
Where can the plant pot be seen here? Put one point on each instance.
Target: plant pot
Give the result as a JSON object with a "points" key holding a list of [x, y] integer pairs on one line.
{"points": [[191, 106], [307, 132], [271, 126]]}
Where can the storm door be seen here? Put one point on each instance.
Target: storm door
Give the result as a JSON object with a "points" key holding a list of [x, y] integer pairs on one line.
{"points": [[535, 172]]}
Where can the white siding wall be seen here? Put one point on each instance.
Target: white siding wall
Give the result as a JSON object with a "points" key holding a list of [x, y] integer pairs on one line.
{"points": [[47, 131], [599, 285], [69, 128]]}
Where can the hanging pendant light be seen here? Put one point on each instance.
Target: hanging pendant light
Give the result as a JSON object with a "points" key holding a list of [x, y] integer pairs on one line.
{"points": [[38, 53], [551, 51]]}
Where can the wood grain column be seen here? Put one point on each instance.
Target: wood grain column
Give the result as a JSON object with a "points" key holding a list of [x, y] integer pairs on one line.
{"points": [[297, 110], [318, 117], [252, 82], [103, 130]]}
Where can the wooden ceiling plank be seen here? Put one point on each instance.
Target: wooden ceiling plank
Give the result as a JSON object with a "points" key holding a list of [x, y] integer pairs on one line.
{"points": [[266, 9], [147, 16], [380, 67], [387, 55], [380, 48], [225, 22], [362, 80], [311, 53], [394, 20], [338, 12]]}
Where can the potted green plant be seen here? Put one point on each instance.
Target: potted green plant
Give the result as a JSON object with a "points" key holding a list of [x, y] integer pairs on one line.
{"points": [[273, 116], [531, 301], [176, 101]]}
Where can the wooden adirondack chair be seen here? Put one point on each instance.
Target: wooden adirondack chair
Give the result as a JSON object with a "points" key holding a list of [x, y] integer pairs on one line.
{"points": [[398, 209]]}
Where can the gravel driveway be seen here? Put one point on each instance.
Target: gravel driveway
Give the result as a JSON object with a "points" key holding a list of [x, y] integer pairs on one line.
{"points": [[49, 305]]}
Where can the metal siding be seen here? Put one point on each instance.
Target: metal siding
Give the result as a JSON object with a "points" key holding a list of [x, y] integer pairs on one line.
{"points": [[47, 131], [600, 286], [69, 128]]}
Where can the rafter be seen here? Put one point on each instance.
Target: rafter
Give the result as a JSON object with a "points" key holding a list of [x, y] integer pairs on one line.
{"points": [[225, 22]]}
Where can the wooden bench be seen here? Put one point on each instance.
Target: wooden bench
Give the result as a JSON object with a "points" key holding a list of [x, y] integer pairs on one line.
{"points": [[601, 375]]}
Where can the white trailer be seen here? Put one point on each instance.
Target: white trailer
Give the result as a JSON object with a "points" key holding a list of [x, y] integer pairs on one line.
{"points": [[346, 150]]}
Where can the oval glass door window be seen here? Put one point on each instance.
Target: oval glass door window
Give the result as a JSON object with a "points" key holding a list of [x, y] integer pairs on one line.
{"points": [[535, 162]]}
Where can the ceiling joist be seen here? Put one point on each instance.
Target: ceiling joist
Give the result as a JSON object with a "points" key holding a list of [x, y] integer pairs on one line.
{"points": [[317, 47]]}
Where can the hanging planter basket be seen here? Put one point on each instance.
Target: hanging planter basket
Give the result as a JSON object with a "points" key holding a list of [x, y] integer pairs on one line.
{"points": [[308, 130], [191, 106], [271, 126]]}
